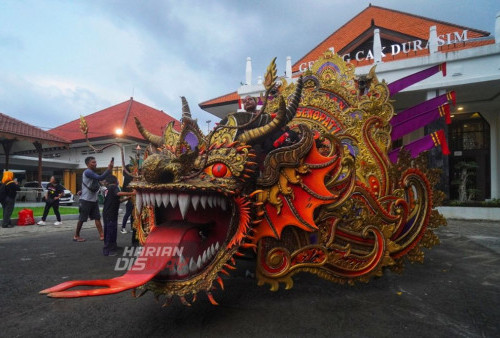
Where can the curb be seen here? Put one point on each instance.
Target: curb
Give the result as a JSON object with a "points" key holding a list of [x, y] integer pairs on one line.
{"points": [[470, 213], [50, 218]]}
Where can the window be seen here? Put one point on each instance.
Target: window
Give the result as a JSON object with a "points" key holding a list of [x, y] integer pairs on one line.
{"points": [[90, 152], [469, 132]]}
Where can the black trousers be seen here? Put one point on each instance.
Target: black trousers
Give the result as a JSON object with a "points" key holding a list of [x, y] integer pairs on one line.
{"points": [[128, 213], [54, 205], [110, 234], [8, 208]]}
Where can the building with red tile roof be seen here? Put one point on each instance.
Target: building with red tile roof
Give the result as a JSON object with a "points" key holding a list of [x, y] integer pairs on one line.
{"points": [[221, 104], [395, 27], [112, 125], [68, 149], [104, 124], [16, 135], [409, 33], [11, 128], [228, 98], [401, 44]]}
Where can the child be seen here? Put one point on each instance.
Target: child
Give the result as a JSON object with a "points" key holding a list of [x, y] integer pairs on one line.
{"points": [[110, 214]]}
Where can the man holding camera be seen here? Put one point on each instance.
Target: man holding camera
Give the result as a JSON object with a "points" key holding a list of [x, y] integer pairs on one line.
{"points": [[89, 207]]}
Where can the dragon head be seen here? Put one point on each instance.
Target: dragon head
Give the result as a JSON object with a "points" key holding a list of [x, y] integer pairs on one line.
{"points": [[203, 192]]}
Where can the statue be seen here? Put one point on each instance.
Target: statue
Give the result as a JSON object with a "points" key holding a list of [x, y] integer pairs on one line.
{"points": [[306, 182]]}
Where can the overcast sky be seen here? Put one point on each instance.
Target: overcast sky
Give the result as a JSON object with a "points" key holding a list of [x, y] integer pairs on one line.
{"points": [[60, 59]]}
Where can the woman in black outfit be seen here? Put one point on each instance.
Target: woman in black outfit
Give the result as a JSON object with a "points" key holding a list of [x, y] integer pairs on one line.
{"points": [[9, 197]]}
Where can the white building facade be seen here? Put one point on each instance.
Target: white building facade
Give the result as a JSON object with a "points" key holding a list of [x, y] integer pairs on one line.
{"points": [[473, 72]]}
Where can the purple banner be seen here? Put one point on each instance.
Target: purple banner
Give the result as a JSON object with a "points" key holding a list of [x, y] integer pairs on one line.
{"points": [[399, 85], [419, 120], [425, 143], [421, 108]]}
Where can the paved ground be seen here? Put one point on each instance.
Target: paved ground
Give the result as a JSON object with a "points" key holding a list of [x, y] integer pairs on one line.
{"points": [[455, 293]]}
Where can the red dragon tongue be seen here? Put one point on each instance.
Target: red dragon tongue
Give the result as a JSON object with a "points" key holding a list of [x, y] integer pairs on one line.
{"points": [[166, 247], [158, 251]]}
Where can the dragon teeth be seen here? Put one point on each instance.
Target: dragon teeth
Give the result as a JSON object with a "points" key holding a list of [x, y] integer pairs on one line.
{"points": [[182, 267], [171, 271], [195, 199], [145, 199], [165, 198], [203, 201], [184, 201], [223, 204], [173, 200], [192, 266], [138, 201], [158, 198]]}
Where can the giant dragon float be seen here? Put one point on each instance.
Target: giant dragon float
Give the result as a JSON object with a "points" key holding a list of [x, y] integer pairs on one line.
{"points": [[310, 182]]}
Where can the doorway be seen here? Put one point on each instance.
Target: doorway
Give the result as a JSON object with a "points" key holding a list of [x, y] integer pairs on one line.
{"points": [[469, 137]]}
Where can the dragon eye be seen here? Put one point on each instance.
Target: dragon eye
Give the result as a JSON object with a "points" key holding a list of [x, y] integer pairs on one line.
{"points": [[219, 170]]}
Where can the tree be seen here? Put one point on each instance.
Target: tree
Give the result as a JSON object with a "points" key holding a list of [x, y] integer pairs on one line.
{"points": [[467, 170]]}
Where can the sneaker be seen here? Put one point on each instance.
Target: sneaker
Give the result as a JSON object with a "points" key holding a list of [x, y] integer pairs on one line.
{"points": [[41, 223], [57, 223], [123, 231]]}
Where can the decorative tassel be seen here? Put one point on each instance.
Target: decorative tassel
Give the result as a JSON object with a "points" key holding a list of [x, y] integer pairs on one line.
{"points": [[425, 143], [442, 142], [240, 104], [442, 68], [446, 113], [412, 119], [452, 96]]}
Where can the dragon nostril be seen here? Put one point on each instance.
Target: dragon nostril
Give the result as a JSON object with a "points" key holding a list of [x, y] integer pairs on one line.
{"points": [[167, 176]]}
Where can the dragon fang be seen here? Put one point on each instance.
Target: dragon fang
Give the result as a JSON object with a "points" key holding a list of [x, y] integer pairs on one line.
{"points": [[306, 182]]}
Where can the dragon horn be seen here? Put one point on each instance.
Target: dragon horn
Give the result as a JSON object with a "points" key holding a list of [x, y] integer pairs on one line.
{"points": [[154, 139], [371, 73], [284, 115], [186, 112]]}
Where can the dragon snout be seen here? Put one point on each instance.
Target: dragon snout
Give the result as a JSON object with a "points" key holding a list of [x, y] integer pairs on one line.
{"points": [[158, 168]]}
